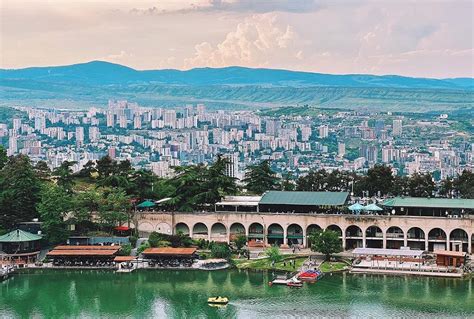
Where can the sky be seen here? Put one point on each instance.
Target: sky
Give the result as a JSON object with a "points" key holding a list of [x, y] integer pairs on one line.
{"points": [[423, 38]]}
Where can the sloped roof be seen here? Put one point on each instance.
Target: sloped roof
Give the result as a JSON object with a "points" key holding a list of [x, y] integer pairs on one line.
{"points": [[459, 203], [18, 235], [169, 251], [304, 198]]}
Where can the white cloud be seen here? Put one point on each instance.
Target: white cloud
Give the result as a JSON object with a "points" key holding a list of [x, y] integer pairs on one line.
{"points": [[258, 41]]}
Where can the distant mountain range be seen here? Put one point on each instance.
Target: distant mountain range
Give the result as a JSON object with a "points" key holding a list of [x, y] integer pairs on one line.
{"points": [[105, 73], [93, 83]]}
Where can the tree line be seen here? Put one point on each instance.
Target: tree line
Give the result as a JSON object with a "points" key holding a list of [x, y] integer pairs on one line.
{"points": [[104, 193]]}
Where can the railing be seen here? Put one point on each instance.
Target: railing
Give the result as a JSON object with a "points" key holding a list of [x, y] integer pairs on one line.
{"points": [[394, 235]]}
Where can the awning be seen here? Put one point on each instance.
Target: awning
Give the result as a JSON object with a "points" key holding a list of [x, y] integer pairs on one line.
{"points": [[146, 204], [169, 251], [372, 207], [356, 207], [122, 228]]}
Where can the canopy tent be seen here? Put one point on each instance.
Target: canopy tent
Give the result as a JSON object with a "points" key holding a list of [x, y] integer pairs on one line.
{"points": [[146, 204], [372, 208], [356, 207]]}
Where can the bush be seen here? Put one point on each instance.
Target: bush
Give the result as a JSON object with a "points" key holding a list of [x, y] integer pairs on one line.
{"points": [[133, 240], [240, 241], [125, 250], [273, 253], [164, 243], [220, 250], [142, 247], [154, 239], [203, 256]]}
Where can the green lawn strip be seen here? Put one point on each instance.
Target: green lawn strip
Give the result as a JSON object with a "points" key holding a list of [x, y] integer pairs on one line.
{"points": [[265, 263], [330, 266]]}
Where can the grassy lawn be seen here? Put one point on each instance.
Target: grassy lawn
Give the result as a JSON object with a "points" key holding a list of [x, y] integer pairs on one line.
{"points": [[329, 266], [265, 264]]}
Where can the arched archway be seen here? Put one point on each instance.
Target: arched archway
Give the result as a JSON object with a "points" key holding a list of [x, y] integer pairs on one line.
{"points": [[374, 237], [256, 235], [145, 229], [394, 237], [236, 229], [416, 238], [335, 228], [294, 233], [437, 239], [312, 228], [353, 237], [163, 228], [200, 231], [275, 234], [218, 232], [182, 228], [459, 240]]}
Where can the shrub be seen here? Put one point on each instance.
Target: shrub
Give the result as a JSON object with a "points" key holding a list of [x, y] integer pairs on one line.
{"points": [[142, 247], [133, 240], [125, 250], [154, 239], [220, 250]]}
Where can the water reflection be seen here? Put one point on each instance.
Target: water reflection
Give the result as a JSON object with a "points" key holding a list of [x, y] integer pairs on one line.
{"points": [[180, 294]]}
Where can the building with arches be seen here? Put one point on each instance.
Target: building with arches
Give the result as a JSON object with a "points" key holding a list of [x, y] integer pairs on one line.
{"points": [[390, 230]]}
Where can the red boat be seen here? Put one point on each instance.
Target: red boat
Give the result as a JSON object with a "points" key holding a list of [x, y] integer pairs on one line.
{"points": [[295, 284]]}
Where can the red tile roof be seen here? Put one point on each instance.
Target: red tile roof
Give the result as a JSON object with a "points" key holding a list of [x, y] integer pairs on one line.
{"points": [[169, 251], [83, 252]]}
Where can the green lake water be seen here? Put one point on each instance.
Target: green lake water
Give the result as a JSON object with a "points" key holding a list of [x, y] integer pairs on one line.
{"points": [[183, 294]]}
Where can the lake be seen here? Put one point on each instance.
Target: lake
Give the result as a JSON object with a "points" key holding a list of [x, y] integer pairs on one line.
{"points": [[183, 294]]}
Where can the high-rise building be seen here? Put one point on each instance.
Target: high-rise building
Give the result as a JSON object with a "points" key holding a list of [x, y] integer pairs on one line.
{"points": [[397, 127], [201, 109], [79, 135], [110, 119], [40, 123], [123, 121], [16, 124], [323, 131], [137, 122], [94, 134], [341, 149], [111, 152], [12, 145], [169, 118], [232, 167]]}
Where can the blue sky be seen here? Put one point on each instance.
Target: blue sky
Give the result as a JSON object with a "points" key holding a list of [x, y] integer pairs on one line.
{"points": [[416, 38]]}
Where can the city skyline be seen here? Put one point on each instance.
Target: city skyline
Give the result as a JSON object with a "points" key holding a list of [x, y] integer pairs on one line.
{"points": [[341, 37]]}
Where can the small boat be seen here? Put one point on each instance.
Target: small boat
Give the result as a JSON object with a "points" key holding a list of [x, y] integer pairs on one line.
{"points": [[218, 300], [295, 284]]}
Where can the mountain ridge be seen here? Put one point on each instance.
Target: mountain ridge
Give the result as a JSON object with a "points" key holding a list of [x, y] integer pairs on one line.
{"points": [[107, 73]]}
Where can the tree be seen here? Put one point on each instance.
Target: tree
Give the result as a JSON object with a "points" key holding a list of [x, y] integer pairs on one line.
{"points": [[240, 241], [19, 192], [312, 182], [42, 170], [53, 208], [400, 186], [87, 170], [3, 157], [221, 250], [287, 183], [84, 205], [447, 187], [273, 253], [326, 242], [113, 208], [105, 167], [421, 185], [64, 177], [260, 178], [464, 184], [379, 179]]}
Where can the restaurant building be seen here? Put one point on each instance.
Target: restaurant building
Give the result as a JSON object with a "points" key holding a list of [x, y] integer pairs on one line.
{"points": [[19, 247]]}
